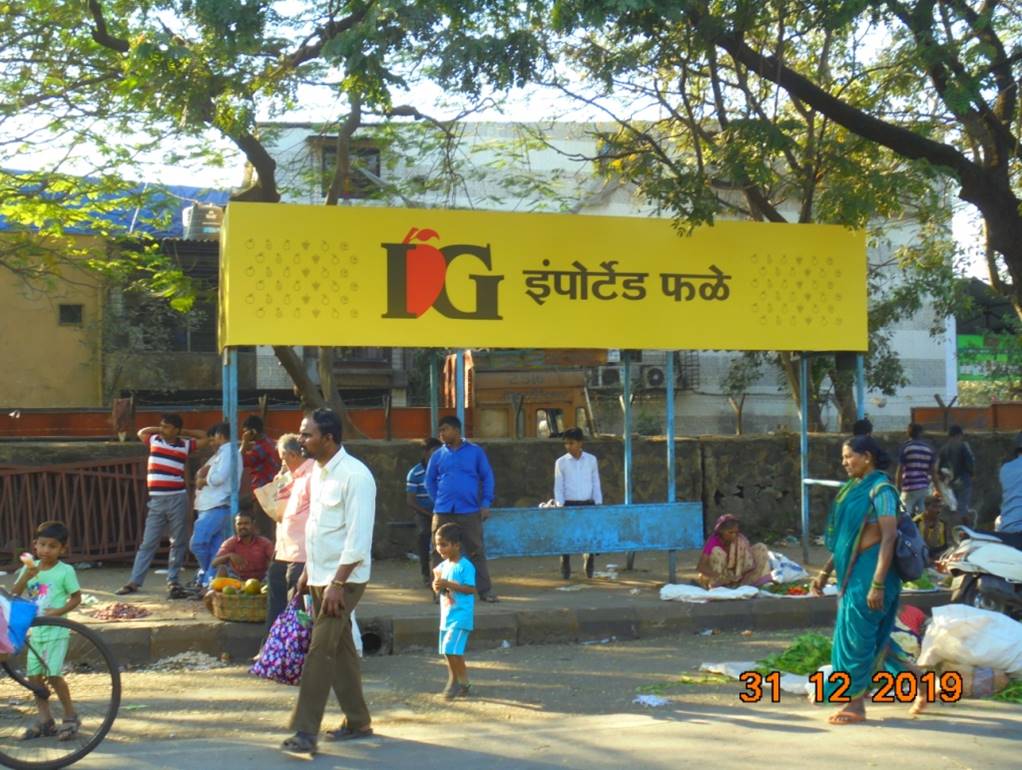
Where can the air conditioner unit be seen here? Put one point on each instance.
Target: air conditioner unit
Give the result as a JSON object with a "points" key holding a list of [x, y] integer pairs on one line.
{"points": [[607, 377], [653, 377]]}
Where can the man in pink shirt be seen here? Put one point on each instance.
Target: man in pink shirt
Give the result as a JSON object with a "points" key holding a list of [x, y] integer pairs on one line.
{"points": [[246, 555], [291, 514]]}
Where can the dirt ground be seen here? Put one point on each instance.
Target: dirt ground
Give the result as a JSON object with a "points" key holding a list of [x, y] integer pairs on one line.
{"points": [[395, 587], [521, 684]]}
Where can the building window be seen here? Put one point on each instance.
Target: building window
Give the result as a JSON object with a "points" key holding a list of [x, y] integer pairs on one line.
{"points": [[357, 184], [70, 315]]}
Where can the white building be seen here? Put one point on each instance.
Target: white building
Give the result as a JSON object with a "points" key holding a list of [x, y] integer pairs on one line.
{"points": [[509, 167]]}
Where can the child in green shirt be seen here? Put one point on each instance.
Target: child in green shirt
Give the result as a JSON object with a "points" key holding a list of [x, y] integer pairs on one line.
{"points": [[52, 585]]}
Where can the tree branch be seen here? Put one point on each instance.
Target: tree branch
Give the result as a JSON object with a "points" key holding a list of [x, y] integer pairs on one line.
{"points": [[101, 34], [901, 140], [311, 50], [342, 165], [265, 188]]}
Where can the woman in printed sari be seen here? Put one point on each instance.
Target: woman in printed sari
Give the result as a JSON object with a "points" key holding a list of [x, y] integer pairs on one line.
{"points": [[861, 534], [729, 560]]}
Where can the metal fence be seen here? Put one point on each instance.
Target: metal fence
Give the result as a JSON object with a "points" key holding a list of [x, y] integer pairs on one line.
{"points": [[103, 503]]}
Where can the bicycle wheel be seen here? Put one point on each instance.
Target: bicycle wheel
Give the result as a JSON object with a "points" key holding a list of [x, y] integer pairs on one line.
{"points": [[93, 681]]}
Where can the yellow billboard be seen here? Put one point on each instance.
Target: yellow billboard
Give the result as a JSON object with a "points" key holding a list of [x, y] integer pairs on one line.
{"points": [[344, 276]]}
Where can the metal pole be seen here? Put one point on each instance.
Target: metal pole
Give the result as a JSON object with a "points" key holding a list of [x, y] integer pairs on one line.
{"points": [[630, 559], [860, 386], [434, 393], [229, 385], [672, 556], [628, 431], [459, 389], [669, 395], [804, 453]]}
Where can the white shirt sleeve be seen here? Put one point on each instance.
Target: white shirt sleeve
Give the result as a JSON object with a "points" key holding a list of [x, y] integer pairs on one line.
{"points": [[559, 481], [597, 491], [360, 505], [219, 469]]}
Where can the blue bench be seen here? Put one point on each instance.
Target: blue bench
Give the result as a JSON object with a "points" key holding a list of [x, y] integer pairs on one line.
{"points": [[595, 529]]}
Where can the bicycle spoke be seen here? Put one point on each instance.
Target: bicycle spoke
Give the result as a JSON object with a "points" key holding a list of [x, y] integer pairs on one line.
{"points": [[57, 649]]}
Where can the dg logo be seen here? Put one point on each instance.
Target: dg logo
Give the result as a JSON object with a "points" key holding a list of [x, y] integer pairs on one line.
{"points": [[417, 278]]}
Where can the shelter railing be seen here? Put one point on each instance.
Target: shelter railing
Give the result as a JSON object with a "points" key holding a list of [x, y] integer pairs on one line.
{"points": [[102, 502]]}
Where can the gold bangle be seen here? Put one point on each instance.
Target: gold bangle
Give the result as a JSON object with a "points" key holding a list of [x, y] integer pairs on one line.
{"points": [[338, 583]]}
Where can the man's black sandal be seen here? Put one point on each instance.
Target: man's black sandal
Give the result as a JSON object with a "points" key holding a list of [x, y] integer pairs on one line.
{"points": [[345, 733]]}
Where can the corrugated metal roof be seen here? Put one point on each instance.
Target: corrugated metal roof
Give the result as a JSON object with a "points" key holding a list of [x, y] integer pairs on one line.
{"points": [[159, 216]]}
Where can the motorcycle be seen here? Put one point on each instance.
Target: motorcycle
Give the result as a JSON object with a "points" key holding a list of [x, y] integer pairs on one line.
{"points": [[987, 570]]}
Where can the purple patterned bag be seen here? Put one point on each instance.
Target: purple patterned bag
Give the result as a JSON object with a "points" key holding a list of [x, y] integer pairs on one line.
{"points": [[283, 655]]}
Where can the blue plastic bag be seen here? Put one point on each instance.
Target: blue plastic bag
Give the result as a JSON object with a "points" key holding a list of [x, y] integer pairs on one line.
{"points": [[23, 612]]}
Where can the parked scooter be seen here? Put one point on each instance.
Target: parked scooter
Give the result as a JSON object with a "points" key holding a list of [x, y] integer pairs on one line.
{"points": [[987, 570]]}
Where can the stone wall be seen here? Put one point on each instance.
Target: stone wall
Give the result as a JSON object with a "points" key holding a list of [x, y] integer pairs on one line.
{"points": [[755, 477]]}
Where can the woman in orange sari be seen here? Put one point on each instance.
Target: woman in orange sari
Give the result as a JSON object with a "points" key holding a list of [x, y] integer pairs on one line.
{"points": [[729, 560]]}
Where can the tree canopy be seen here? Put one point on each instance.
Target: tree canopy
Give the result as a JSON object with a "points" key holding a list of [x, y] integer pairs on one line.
{"points": [[954, 68], [701, 135], [94, 89]]}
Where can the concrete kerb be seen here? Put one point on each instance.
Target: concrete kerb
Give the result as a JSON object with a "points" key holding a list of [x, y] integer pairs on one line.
{"points": [[139, 644]]}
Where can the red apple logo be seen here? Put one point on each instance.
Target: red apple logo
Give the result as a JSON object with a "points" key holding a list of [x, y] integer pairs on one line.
{"points": [[426, 271]]}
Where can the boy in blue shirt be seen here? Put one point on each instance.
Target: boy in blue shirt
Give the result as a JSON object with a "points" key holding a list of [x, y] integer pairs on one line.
{"points": [[454, 580]]}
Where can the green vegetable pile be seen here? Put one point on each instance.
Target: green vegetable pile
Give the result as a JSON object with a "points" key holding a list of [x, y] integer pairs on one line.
{"points": [[1012, 693], [922, 584], [806, 654], [663, 688]]}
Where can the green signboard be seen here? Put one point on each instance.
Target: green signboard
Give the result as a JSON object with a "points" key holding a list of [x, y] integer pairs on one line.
{"points": [[988, 358]]}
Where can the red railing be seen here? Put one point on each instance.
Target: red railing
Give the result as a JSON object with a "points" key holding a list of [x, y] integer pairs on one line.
{"points": [[405, 422], [103, 503]]}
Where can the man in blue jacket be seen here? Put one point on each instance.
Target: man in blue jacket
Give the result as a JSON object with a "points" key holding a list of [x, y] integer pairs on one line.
{"points": [[460, 482]]}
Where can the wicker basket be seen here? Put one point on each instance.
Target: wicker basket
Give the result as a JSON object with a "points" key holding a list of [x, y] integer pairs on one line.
{"points": [[247, 608]]}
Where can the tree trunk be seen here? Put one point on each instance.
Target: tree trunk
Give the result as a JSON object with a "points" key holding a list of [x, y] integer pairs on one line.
{"points": [[311, 395], [789, 364], [295, 368], [738, 405], [844, 394]]}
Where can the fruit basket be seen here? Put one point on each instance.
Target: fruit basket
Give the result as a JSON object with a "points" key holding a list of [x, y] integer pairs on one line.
{"points": [[247, 608]]}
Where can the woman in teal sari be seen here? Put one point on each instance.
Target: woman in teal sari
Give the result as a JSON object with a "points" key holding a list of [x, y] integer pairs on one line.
{"points": [[861, 534]]}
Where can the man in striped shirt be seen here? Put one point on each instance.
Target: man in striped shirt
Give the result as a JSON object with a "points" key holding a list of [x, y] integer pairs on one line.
{"points": [[170, 446], [917, 464]]}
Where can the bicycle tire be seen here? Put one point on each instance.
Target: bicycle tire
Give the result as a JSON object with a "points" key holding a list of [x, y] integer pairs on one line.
{"points": [[111, 708]]}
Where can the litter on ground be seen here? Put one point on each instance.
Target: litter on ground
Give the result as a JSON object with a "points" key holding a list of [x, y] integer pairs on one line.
{"points": [[187, 661], [677, 592], [650, 701]]}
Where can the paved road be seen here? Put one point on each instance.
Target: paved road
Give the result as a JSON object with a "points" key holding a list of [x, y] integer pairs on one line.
{"points": [[544, 707], [981, 736]]}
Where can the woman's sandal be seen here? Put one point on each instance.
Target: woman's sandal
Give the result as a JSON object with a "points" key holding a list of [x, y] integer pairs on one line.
{"points": [[40, 730], [69, 728], [300, 745]]}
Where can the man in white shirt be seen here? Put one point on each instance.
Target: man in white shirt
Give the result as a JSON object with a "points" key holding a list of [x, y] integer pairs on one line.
{"points": [[338, 545], [213, 502], [576, 482]]}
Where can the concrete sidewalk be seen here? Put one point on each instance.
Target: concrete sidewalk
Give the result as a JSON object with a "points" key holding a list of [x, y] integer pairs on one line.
{"points": [[536, 606]]}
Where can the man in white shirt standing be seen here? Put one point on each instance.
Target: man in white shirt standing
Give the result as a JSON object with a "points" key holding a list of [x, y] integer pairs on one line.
{"points": [[576, 482], [213, 502], [338, 544]]}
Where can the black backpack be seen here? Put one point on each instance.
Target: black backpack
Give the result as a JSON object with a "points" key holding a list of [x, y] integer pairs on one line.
{"points": [[910, 552]]}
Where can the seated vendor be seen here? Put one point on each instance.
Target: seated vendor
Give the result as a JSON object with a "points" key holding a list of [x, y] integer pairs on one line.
{"points": [[933, 530], [246, 555], [729, 560]]}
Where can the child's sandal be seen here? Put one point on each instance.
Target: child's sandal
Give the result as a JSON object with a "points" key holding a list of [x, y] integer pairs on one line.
{"points": [[40, 730], [69, 728]]}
